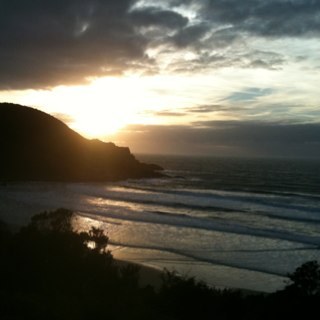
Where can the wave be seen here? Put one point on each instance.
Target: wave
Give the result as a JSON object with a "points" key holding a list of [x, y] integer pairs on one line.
{"points": [[161, 184], [203, 224], [97, 199], [209, 200], [214, 261]]}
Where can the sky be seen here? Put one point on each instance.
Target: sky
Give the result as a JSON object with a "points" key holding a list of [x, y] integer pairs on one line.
{"points": [[207, 77]]}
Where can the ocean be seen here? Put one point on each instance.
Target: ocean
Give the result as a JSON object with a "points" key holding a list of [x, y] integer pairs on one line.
{"points": [[234, 223]]}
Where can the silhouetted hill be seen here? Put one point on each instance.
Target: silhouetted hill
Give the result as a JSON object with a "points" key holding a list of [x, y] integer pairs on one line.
{"points": [[36, 146]]}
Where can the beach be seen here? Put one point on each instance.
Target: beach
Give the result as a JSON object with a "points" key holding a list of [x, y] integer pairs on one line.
{"points": [[222, 227]]}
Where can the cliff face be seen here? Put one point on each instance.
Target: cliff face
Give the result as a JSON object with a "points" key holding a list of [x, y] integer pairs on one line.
{"points": [[35, 146]]}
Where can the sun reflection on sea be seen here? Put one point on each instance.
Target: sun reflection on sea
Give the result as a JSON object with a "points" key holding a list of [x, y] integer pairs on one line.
{"points": [[83, 223]]}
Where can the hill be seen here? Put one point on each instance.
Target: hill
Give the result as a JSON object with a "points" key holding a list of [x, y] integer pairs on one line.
{"points": [[38, 147]]}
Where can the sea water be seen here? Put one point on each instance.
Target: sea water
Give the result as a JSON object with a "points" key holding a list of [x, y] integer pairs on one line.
{"points": [[241, 223]]}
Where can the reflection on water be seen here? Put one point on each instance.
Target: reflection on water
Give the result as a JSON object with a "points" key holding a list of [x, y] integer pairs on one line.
{"points": [[211, 259]]}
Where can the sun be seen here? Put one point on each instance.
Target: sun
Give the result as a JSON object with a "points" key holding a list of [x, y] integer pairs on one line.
{"points": [[105, 106], [97, 110], [97, 125]]}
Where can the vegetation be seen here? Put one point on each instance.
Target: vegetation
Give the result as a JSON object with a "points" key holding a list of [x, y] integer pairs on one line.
{"points": [[48, 271]]}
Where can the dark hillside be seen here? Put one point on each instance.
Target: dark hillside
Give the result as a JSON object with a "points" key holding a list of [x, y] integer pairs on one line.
{"points": [[37, 146]]}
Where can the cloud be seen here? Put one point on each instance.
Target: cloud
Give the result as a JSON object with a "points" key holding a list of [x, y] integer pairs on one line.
{"points": [[228, 30], [167, 113], [153, 16], [231, 110], [249, 95], [52, 42], [190, 35], [272, 18], [197, 110], [207, 108], [228, 138], [235, 55], [164, 113]]}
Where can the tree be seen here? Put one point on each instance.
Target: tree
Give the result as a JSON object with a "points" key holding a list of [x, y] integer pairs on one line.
{"points": [[305, 280], [59, 220]]}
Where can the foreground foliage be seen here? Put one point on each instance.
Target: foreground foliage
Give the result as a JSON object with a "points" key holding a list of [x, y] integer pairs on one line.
{"points": [[48, 271]]}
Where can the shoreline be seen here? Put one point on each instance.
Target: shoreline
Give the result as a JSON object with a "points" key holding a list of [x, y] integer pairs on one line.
{"points": [[19, 204], [150, 276]]}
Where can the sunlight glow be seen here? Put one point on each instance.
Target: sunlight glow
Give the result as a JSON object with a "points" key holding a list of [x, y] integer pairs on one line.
{"points": [[99, 109], [107, 105]]}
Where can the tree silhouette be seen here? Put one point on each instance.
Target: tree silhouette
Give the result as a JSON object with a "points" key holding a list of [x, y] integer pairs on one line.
{"points": [[59, 221], [306, 279]]}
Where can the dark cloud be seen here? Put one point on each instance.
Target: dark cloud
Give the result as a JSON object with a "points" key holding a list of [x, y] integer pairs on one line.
{"points": [[273, 18], [190, 35], [153, 16], [232, 138], [51, 42], [225, 37]]}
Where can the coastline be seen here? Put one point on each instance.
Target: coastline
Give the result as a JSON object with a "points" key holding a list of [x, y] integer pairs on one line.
{"points": [[145, 231], [148, 276], [17, 212]]}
